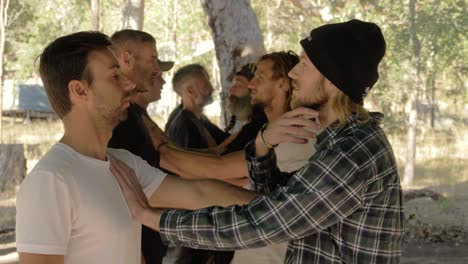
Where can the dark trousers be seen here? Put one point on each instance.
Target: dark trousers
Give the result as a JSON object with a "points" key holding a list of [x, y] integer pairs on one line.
{"points": [[152, 247]]}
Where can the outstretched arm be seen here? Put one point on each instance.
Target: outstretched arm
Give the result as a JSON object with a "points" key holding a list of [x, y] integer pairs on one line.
{"points": [[203, 166], [194, 165], [175, 192], [30, 258]]}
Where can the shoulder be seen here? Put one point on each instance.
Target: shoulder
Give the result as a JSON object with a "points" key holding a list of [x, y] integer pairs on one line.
{"points": [[365, 144], [58, 160], [182, 119], [123, 155]]}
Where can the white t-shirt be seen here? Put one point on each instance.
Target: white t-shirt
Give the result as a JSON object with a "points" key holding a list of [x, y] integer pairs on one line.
{"points": [[72, 205]]}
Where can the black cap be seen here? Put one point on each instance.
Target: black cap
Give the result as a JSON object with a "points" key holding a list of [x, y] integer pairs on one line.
{"points": [[165, 65], [248, 71], [348, 55]]}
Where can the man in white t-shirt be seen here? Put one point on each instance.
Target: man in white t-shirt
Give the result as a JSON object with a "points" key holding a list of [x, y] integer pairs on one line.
{"points": [[70, 209]]}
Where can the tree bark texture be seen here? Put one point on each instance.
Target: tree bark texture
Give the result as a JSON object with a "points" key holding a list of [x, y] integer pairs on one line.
{"points": [[414, 94], [3, 24], [95, 13], [12, 166], [133, 14], [237, 38]]}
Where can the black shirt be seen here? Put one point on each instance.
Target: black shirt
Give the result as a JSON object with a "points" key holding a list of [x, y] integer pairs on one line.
{"points": [[187, 131], [247, 133], [132, 135]]}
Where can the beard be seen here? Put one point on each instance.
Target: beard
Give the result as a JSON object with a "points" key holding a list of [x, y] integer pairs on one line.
{"points": [[240, 106], [111, 117], [204, 100], [317, 104]]}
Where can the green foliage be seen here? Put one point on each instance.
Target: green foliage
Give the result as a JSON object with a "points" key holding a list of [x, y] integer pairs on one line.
{"points": [[36, 24], [180, 25]]}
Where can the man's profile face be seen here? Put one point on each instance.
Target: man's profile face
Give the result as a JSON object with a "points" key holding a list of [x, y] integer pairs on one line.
{"points": [[263, 88], [146, 71], [110, 90], [308, 85], [204, 89], [239, 97], [239, 87]]}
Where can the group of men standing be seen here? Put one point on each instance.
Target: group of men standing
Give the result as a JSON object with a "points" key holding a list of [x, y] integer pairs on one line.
{"points": [[318, 172]]}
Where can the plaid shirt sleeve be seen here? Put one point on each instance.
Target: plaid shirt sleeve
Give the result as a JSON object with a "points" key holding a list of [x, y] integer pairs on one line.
{"points": [[264, 174], [327, 190]]}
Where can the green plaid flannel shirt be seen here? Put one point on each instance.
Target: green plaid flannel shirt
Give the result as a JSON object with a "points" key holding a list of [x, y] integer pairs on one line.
{"points": [[343, 206]]}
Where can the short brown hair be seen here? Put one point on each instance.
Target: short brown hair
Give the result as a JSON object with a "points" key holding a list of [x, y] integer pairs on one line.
{"points": [[66, 59], [124, 35], [283, 62]]}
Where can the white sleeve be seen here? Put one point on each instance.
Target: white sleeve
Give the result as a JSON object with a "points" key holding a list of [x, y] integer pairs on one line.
{"points": [[150, 177], [43, 214]]}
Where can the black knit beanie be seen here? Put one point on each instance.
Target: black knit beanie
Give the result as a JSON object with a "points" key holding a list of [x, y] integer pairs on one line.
{"points": [[348, 55]]}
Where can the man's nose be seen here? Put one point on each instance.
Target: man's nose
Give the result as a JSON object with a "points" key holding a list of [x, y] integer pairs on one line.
{"points": [[231, 89], [157, 68], [293, 72]]}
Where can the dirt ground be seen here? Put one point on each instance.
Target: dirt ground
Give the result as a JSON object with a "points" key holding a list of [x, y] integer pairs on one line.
{"points": [[437, 231]]}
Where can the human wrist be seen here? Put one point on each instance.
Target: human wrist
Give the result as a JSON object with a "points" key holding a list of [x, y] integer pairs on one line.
{"points": [[263, 138], [260, 148], [150, 217]]}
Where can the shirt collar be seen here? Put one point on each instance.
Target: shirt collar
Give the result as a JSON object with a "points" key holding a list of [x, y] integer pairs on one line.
{"points": [[329, 134]]}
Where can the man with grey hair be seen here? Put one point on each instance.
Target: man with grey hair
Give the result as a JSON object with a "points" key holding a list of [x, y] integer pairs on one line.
{"points": [[190, 128]]}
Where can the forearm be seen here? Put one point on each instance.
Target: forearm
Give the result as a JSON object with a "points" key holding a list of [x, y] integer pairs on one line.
{"points": [[222, 194], [193, 165], [151, 218], [30, 258], [264, 171], [259, 224]]}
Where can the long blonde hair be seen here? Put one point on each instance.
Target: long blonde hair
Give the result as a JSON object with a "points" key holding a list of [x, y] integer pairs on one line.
{"points": [[345, 107]]}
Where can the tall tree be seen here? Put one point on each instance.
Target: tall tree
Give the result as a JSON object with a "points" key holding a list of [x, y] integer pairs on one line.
{"points": [[133, 14], [95, 14], [236, 35], [3, 24], [414, 94]]}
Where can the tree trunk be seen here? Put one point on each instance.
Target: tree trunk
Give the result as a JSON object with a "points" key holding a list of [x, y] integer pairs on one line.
{"points": [[413, 115], [236, 36], [433, 101], [13, 166], [133, 14], [95, 13], [3, 23]]}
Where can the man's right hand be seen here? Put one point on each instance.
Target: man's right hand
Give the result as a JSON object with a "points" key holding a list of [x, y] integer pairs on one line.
{"points": [[290, 127]]}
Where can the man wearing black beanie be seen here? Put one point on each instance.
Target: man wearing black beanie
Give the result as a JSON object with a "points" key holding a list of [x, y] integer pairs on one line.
{"points": [[345, 204]]}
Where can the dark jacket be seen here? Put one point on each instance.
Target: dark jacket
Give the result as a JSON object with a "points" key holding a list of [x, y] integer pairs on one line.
{"points": [[187, 131]]}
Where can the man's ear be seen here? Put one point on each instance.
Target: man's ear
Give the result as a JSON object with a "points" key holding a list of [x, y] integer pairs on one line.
{"points": [[284, 85], [189, 89], [78, 91], [126, 59]]}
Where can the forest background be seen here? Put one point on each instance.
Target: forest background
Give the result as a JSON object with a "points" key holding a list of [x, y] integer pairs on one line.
{"points": [[422, 88]]}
